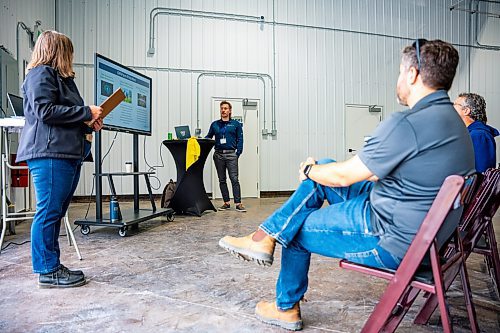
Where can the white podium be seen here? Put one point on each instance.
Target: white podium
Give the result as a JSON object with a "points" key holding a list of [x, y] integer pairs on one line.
{"points": [[8, 126]]}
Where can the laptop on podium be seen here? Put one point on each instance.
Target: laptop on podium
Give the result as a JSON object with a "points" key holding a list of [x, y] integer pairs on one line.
{"points": [[182, 132]]}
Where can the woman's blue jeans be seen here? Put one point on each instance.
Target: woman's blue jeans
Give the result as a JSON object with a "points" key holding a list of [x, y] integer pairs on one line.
{"points": [[339, 230], [55, 182]]}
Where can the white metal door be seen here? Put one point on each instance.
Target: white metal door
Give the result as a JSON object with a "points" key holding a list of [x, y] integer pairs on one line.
{"points": [[248, 163], [360, 121]]}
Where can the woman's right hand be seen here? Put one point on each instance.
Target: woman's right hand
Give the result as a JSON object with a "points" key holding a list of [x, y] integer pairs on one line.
{"points": [[96, 111]]}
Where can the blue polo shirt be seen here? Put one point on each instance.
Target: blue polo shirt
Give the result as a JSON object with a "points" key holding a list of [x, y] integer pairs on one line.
{"points": [[412, 153]]}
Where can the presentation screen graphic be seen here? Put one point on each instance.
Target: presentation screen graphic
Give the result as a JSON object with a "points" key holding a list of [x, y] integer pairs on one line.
{"points": [[133, 115]]}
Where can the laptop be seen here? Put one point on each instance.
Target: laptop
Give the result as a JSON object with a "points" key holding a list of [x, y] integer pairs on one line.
{"points": [[182, 132], [16, 106]]}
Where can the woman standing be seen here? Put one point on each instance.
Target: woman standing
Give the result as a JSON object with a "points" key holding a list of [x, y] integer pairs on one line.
{"points": [[52, 143]]}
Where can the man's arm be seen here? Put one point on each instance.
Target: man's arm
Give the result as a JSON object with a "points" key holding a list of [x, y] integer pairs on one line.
{"points": [[239, 139], [211, 131], [338, 173]]}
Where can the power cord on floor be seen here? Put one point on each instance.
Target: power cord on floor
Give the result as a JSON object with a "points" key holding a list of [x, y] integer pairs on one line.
{"points": [[14, 243]]}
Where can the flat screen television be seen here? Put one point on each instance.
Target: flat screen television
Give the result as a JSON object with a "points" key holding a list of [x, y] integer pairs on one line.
{"points": [[133, 115]]}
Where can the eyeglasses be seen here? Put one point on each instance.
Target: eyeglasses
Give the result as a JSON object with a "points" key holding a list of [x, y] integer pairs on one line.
{"points": [[417, 45], [458, 104]]}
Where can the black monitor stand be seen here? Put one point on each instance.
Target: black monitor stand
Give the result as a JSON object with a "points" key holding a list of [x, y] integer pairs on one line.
{"points": [[130, 217]]}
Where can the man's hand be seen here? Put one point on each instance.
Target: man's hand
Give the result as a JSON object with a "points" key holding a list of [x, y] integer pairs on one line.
{"points": [[308, 161]]}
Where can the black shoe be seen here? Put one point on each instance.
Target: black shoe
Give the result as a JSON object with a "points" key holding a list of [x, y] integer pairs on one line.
{"points": [[77, 272], [62, 278], [225, 207]]}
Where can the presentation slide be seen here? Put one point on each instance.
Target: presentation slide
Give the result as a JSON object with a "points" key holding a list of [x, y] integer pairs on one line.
{"points": [[134, 113]]}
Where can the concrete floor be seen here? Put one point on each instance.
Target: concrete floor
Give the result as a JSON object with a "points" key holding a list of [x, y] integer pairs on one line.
{"points": [[173, 277]]}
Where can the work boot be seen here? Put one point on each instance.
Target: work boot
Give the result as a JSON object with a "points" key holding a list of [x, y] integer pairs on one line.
{"points": [[225, 206], [247, 249], [240, 208], [269, 313], [62, 278], [75, 272]]}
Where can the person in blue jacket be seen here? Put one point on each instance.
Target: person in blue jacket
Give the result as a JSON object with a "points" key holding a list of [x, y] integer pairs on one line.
{"points": [[228, 148], [472, 109], [53, 145]]}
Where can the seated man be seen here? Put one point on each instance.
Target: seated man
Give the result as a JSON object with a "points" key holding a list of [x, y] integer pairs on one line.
{"points": [[379, 198], [472, 110]]}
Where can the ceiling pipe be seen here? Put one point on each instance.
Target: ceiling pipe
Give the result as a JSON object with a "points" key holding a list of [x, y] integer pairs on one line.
{"points": [[259, 76], [193, 13]]}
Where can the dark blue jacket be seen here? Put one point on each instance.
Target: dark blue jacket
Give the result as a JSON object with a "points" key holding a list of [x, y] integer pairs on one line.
{"points": [[232, 130], [54, 114], [483, 139]]}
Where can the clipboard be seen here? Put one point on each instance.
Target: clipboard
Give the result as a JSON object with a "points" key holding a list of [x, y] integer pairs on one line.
{"points": [[112, 102]]}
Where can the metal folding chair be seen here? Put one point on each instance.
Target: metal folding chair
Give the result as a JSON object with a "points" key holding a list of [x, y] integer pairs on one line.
{"points": [[415, 273], [477, 235]]}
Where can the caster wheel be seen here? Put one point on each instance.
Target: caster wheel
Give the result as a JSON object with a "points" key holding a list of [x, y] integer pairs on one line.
{"points": [[170, 217], [123, 231], [85, 229]]}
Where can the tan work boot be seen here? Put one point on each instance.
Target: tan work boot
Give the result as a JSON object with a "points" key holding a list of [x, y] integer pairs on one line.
{"points": [[269, 313], [247, 249]]}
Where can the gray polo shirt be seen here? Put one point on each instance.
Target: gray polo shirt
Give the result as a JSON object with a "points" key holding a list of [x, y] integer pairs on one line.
{"points": [[412, 153]]}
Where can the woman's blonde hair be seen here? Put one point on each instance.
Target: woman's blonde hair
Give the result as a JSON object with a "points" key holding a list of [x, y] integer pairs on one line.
{"points": [[53, 49]]}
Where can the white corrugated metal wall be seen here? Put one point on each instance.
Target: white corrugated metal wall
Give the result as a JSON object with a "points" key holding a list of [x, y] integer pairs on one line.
{"points": [[13, 12], [327, 54]]}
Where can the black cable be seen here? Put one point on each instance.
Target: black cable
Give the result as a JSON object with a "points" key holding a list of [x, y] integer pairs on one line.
{"points": [[159, 182], [14, 243], [90, 197], [153, 168], [109, 149], [64, 235]]}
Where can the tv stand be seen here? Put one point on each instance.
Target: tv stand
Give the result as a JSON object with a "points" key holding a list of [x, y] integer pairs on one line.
{"points": [[130, 217]]}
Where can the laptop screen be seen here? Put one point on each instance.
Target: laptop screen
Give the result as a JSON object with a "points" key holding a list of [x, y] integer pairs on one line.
{"points": [[16, 105], [182, 132]]}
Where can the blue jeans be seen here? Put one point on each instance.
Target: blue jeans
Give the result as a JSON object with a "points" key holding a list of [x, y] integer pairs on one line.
{"points": [[340, 230], [55, 182]]}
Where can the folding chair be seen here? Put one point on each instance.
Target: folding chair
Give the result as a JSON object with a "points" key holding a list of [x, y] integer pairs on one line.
{"points": [[476, 225], [405, 283], [487, 245]]}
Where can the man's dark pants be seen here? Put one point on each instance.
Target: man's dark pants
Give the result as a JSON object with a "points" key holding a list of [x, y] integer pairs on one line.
{"points": [[228, 160]]}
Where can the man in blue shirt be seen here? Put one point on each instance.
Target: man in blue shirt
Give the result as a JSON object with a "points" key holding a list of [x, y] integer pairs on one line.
{"points": [[228, 148], [377, 199], [472, 109]]}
